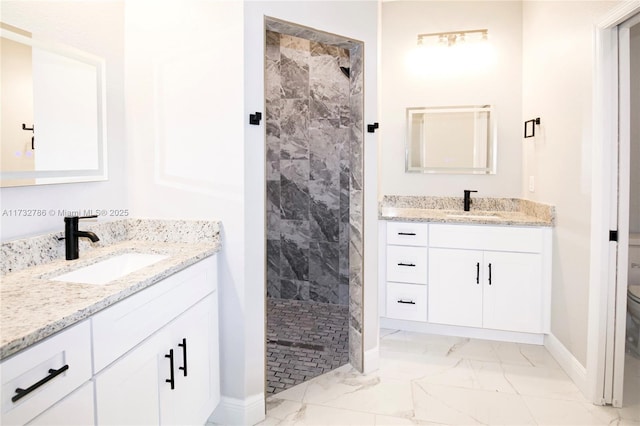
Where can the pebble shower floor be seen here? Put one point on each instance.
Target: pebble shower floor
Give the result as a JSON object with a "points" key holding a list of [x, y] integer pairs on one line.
{"points": [[304, 340]]}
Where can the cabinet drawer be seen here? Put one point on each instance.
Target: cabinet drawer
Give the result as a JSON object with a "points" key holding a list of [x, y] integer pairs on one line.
{"points": [[407, 233], [407, 301], [483, 237], [71, 348], [74, 410], [125, 324], [407, 264]]}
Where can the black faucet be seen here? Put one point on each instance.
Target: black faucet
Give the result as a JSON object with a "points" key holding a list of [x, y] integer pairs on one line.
{"points": [[71, 234], [467, 199]]}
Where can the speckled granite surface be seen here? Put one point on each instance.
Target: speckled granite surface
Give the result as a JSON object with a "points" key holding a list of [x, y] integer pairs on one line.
{"points": [[32, 307], [491, 211]]}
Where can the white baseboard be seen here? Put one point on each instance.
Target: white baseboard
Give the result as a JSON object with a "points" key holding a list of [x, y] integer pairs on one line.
{"points": [[576, 371], [452, 330], [234, 411], [371, 360]]}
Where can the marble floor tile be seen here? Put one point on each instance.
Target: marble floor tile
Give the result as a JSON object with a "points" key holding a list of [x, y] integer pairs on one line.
{"points": [[295, 394], [439, 380], [407, 344], [459, 406], [311, 414], [543, 382], [414, 367], [550, 411], [523, 354], [400, 421], [280, 409], [368, 393], [472, 374], [479, 350]]}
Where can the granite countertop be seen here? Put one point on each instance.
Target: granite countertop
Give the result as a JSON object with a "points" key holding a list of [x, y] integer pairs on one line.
{"points": [[486, 211], [34, 307]]}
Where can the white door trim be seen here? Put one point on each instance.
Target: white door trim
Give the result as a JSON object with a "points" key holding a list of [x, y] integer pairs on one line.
{"points": [[604, 195], [619, 290]]}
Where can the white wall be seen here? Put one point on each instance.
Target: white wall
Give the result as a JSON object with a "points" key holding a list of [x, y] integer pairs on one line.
{"points": [[185, 135], [97, 28], [194, 73], [498, 84], [558, 63]]}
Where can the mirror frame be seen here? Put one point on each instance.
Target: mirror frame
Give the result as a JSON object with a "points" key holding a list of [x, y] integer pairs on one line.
{"points": [[491, 141], [43, 177]]}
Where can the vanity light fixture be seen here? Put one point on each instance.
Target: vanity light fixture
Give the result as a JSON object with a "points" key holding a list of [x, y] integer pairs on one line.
{"points": [[450, 38]]}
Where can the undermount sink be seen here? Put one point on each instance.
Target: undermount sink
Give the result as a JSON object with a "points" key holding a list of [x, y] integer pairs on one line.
{"points": [[473, 216], [110, 269]]}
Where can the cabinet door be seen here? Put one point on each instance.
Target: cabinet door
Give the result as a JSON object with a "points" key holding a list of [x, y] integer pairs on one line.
{"points": [[193, 338], [136, 389], [74, 410], [455, 287], [127, 391], [513, 296]]}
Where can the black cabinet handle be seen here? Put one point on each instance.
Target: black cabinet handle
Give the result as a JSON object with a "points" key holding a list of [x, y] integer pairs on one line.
{"points": [[407, 233], [171, 380], [52, 373], [183, 345], [407, 302], [489, 274], [478, 273], [407, 264]]}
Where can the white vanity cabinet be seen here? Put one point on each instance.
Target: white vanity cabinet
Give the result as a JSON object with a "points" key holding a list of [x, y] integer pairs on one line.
{"points": [[406, 271], [172, 377], [486, 276], [168, 379], [151, 358], [477, 278]]}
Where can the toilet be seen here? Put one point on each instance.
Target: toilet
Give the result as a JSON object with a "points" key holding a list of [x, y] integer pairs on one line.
{"points": [[633, 294]]}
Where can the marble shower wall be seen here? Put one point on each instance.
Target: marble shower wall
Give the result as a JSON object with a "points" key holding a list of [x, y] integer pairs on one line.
{"points": [[309, 155]]}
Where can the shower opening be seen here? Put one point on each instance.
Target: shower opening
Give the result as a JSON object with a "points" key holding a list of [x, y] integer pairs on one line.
{"points": [[313, 111]]}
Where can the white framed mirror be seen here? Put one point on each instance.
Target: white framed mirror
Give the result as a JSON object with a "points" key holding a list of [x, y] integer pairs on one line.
{"points": [[451, 139], [53, 113]]}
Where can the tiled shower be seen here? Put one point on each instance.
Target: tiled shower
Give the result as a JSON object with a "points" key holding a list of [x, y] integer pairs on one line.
{"points": [[309, 135]]}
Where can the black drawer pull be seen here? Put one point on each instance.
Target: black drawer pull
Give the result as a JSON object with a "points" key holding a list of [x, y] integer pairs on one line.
{"points": [[478, 273], [52, 373], [407, 233], [171, 378], [183, 345], [407, 302], [407, 264]]}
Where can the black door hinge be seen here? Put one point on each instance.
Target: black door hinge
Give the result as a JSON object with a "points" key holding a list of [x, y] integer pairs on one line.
{"points": [[613, 235]]}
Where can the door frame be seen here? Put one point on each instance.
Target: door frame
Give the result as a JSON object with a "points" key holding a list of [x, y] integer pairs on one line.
{"points": [[624, 192], [603, 292]]}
